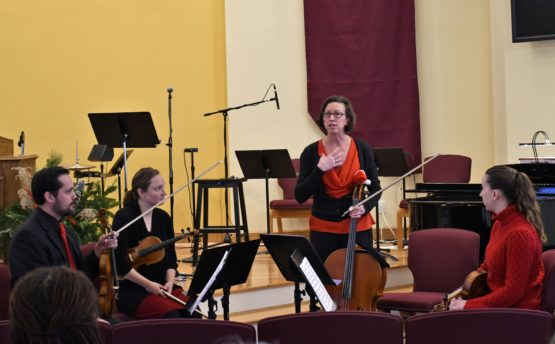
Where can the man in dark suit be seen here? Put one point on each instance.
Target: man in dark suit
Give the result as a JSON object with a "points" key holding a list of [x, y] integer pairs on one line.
{"points": [[43, 239]]}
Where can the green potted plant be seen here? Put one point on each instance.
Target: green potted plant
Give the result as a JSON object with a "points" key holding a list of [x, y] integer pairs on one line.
{"points": [[85, 221]]}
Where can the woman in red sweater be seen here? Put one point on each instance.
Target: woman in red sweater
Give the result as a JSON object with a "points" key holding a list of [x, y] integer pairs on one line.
{"points": [[513, 255]]}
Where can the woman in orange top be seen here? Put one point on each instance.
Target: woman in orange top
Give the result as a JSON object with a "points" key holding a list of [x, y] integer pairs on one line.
{"points": [[326, 174]]}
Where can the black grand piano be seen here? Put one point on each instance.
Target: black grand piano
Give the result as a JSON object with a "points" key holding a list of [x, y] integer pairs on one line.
{"points": [[460, 205]]}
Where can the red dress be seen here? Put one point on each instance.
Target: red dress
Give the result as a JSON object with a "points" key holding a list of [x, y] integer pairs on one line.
{"points": [[513, 262]]}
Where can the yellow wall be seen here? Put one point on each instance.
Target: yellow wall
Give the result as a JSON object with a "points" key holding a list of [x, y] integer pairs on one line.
{"points": [[62, 59]]}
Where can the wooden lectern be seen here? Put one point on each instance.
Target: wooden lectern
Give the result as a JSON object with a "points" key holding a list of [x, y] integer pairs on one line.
{"points": [[8, 184]]}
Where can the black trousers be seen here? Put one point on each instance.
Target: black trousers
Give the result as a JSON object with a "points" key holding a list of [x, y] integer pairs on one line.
{"points": [[325, 243]]}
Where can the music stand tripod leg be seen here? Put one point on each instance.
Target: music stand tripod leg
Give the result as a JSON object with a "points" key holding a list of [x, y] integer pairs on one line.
{"points": [[225, 301], [298, 297], [212, 304]]}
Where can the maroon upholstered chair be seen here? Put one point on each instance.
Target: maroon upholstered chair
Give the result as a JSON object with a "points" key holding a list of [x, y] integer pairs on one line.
{"points": [[105, 330], [4, 331], [447, 168], [288, 207], [5, 289], [548, 294], [332, 327], [480, 326], [439, 259], [174, 331]]}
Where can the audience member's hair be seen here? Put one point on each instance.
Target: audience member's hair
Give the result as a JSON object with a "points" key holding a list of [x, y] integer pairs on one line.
{"points": [[54, 305], [46, 180]]}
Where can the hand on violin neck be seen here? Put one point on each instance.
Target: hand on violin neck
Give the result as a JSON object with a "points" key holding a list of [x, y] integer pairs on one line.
{"points": [[106, 241], [457, 304]]}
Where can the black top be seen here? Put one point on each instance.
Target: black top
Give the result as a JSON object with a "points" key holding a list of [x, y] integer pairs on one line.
{"points": [[309, 183], [38, 244], [131, 294]]}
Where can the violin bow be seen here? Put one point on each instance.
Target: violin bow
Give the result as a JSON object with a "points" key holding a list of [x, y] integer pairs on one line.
{"points": [[181, 302], [168, 197], [390, 185]]}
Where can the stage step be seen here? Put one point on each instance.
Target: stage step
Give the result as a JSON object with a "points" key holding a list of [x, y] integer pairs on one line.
{"points": [[278, 299]]}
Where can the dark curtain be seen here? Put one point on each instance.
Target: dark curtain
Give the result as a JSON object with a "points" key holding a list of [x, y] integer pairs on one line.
{"points": [[365, 50]]}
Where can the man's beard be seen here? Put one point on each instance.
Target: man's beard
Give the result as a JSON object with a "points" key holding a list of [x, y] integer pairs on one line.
{"points": [[64, 212]]}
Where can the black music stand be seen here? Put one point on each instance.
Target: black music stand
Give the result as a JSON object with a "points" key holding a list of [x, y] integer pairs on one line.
{"points": [[266, 164], [281, 247], [124, 129], [235, 271], [390, 162], [116, 171]]}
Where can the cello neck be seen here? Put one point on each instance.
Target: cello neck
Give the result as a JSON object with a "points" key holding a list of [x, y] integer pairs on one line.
{"points": [[350, 257]]}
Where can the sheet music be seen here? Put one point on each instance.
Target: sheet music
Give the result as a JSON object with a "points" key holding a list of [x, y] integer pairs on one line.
{"points": [[210, 282], [317, 286]]}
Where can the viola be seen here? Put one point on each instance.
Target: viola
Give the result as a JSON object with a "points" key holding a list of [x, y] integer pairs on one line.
{"points": [[363, 279], [151, 250], [107, 275], [475, 285]]}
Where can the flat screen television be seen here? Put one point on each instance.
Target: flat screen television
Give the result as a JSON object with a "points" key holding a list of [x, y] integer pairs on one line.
{"points": [[533, 20]]}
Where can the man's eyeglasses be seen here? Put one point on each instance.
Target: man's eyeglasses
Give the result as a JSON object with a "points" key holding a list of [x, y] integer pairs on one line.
{"points": [[335, 114]]}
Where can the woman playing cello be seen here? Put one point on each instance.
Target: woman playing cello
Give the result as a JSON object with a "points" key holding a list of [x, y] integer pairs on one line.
{"points": [[141, 293], [326, 173]]}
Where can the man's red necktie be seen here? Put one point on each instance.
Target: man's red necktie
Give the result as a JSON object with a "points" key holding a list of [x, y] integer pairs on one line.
{"points": [[63, 234]]}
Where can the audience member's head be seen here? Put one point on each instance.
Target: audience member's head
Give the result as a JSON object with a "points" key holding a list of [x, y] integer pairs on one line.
{"points": [[54, 305]]}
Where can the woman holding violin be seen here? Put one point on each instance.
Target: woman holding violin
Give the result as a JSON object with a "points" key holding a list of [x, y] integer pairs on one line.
{"points": [[326, 173], [513, 259], [141, 293]]}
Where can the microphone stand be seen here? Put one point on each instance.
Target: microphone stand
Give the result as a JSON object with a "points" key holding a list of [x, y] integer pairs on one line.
{"points": [[170, 146], [224, 113]]}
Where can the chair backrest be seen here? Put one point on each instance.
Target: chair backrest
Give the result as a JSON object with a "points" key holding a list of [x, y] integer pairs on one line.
{"points": [[501, 325], [548, 294], [4, 331], [441, 258], [332, 327], [105, 331], [5, 289], [448, 168], [174, 331], [288, 184]]}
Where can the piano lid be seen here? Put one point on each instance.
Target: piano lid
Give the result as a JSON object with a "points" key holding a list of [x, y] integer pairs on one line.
{"points": [[539, 173]]}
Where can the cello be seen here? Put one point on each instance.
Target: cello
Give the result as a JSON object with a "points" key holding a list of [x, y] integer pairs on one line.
{"points": [[107, 275], [363, 278]]}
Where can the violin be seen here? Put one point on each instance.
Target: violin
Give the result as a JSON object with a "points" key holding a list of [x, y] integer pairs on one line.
{"points": [[151, 250], [107, 275], [363, 279], [475, 285]]}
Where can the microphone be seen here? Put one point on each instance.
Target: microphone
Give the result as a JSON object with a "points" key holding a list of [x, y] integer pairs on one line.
{"points": [[21, 142], [276, 97], [169, 89], [360, 178]]}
